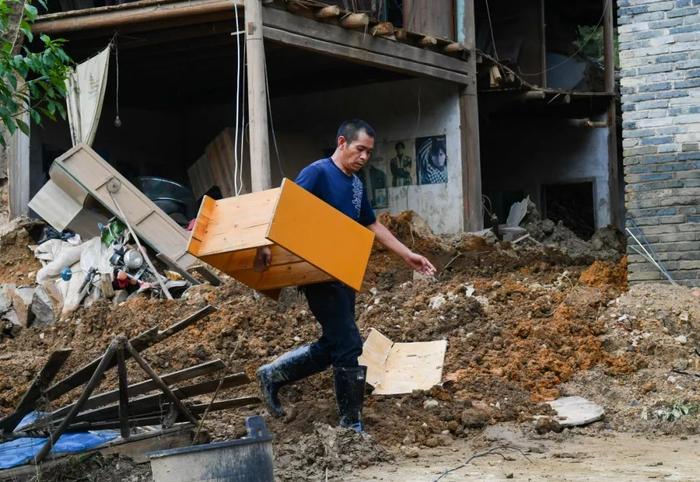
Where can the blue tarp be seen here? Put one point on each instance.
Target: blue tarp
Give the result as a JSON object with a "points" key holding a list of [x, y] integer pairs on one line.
{"points": [[22, 450]]}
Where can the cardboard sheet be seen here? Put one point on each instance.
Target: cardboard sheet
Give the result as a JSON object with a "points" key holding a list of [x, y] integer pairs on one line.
{"points": [[396, 368]]}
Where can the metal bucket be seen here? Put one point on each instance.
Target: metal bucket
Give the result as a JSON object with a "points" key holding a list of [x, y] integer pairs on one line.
{"points": [[248, 459]]}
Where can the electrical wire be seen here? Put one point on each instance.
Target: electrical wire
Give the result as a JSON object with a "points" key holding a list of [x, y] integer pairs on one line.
{"points": [[244, 109], [493, 37], [272, 124], [238, 96], [117, 119]]}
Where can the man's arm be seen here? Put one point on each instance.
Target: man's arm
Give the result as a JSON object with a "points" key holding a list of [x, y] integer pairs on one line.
{"points": [[414, 260]]}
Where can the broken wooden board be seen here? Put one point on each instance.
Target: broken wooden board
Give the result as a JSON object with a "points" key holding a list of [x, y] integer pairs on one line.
{"points": [[310, 240], [216, 168], [36, 390], [82, 174], [143, 387], [145, 340], [396, 368]]}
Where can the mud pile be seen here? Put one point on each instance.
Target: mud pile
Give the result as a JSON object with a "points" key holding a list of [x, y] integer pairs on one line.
{"points": [[519, 320], [658, 325], [327, 450], [605, 244], [17, 263]]}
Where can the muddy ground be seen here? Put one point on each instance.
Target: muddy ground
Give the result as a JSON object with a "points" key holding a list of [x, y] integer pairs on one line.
{"points": [[525, 323]]}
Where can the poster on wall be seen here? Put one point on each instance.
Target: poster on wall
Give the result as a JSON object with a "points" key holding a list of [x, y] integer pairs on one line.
{"points": [[374, 176], [401, 155], [431, 160]]}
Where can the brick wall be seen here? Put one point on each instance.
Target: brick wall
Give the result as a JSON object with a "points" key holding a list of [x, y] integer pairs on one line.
{"points": [[660, 62]]}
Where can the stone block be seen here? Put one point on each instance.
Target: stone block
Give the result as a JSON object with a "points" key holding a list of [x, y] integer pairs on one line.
{"points": [[22, 303], [43, 307], [6, 297]]}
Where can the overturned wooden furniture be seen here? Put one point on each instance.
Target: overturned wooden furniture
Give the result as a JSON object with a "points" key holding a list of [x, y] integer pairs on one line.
{"points": [[130, 405], [79, 182], [310, 240]]}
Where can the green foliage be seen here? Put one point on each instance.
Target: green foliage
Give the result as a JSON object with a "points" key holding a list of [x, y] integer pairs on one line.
{"points": [[42, 72], [591, 42], [677, 410]]}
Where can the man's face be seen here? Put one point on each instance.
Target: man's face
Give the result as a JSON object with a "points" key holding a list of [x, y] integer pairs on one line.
{"points": [[356, 154], [399, 150]]}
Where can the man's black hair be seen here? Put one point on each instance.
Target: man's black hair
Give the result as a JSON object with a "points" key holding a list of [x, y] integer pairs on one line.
{"points": [[399, 144], [350, 129]]}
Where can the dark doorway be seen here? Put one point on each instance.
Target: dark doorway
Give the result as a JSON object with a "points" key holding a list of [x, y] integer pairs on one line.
{"points": [[572, 204]]}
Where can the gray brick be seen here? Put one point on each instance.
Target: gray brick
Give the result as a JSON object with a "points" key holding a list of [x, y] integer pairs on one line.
{"points": [[686, 84], [668, 23], [662, 59], [655, 87], [681, 12], [657, 141], [693, 146]]}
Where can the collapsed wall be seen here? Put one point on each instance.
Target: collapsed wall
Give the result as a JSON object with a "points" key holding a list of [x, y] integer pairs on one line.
{"points": [[659, 56]]}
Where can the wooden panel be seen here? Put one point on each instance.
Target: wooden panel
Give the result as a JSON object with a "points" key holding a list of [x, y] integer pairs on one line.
{"points": [[243, 260], [319, 234], [308, 34], [233, 224], [430, 17], [294, 274], [215, 167], [472, 201]]}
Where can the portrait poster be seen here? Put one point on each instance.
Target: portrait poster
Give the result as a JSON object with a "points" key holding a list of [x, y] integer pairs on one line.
{"points": [[374, 177], [431, 160], [400, 157]]}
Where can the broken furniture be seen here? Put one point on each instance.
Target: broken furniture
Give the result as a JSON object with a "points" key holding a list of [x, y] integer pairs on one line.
{"points": [[396, 368], [248, 459], [80, 180], [129, 406], [310, 240]]}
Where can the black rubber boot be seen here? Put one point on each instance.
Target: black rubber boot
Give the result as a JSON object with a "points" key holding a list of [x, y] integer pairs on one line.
{"points": [[350, 395], [288, 368]]}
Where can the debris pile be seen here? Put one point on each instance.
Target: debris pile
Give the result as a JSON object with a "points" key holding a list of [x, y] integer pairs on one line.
{"points": [[64, 273], [524, 323], [658, 326], [328, 450], [605, 244]]}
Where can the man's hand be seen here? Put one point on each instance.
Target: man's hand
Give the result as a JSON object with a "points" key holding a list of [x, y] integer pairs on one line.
{"points": [[263, 258], [419, 263]]}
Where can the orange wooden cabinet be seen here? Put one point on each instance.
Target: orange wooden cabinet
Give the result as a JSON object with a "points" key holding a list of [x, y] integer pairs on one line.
{"points": [[310, 240]]}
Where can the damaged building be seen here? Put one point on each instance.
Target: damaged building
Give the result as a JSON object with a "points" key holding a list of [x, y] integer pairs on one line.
{"points": [[476, 104]]}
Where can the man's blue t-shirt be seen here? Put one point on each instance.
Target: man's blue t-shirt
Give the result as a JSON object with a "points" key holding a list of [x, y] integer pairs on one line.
{"points": [[346, 193]]}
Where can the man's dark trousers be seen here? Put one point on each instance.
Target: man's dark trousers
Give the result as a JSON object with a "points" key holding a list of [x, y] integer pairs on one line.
{"points": [[333, 305]]}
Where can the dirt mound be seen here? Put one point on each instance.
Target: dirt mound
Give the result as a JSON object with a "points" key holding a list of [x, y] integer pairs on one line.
{"points": [[604, 273], [328, 451], [658, 325], [517, 322], [606, 244], [17, 262]]}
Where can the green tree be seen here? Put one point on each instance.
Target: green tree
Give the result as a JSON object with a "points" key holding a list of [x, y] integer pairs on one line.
{"points": [[30, 81]]}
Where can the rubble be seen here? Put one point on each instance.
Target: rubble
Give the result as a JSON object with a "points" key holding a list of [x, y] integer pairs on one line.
{"points": [[523, 325], [43, 306]]}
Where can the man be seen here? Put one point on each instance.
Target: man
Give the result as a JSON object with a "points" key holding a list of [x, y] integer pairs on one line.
{"points": [[400, 167], [334, 180]]}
